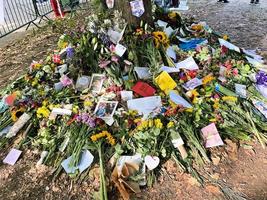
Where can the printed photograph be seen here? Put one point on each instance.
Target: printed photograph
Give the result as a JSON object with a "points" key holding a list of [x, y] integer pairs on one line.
{"points": [[106, 109], [96, 82]]}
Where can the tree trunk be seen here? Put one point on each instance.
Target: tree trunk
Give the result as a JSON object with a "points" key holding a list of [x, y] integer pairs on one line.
{"points": [[124, 7]]}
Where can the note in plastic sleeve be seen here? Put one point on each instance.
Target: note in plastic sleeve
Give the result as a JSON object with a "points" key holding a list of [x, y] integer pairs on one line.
{"points": [[262, 107], [120, 50], [142, 72], [192, 84], [137, 8], [241, 90]]}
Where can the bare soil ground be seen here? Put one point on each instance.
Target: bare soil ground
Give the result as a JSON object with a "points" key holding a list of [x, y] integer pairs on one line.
{"points": [[241, 168]]}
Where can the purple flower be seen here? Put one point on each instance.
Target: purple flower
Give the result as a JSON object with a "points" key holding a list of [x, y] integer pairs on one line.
{"points": [[85, 118], [70, 52], [261, 78], [66, 81]]}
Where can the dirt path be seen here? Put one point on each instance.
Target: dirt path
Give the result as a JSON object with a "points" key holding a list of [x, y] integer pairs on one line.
{"points": [[243, 169]]}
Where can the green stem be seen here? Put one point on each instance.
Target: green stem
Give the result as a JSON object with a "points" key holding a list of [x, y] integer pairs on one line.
{"points": [[103, 188]]}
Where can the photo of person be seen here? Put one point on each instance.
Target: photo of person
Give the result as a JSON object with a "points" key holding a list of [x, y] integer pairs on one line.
{"points": [[96, 82], [105, 109]]}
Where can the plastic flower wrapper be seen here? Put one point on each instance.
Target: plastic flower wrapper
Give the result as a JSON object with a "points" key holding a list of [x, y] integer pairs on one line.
{"points": [[66, 81]]}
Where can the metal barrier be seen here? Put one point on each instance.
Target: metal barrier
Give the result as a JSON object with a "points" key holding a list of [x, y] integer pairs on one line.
{"points": [[20, 13]]}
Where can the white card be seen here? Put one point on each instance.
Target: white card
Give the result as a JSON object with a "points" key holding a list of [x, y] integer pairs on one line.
{"points": [[170, 69], [162, 23], [179, 100], [171, 53], [152, 162], [146, 105], [177, 142], [168, 31], [192, 84], [109, 121], [60, 111], [229, 45], [12, 157], [126, 95], [241, 90], [188, 64], [142, 72], [120, 50], [85, 162]]}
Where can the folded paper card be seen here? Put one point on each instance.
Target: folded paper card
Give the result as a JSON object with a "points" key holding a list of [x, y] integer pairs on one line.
{"points": [[146, 105], [60, 111], [192, 84], [143, 89], [211, 136], [120, 50], [85, 162], [12, 157], [165, 82], [177, 99], [126, 95], [143, 72], [241, 90], [188, 64], [228, 45]]}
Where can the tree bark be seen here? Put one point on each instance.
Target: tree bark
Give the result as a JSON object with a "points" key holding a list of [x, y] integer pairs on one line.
{"points": [[125, 8]]}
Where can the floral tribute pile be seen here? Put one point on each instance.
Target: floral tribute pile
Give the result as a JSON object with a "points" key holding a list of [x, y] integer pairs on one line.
{"points": [[128, 99]]}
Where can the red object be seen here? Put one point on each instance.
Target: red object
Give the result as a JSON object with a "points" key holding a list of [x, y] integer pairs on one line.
{"points": [[143, 89], [9, 100], [56, 58], [57, 8]]}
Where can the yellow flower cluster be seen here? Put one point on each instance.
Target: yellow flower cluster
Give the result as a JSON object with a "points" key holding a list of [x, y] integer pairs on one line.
{"points": [[161, 38], [172, 15], [149, 124], [170, 124], [229, 98], [43, 112], [216, 104], [87, 103], [132, 113], [207, 79], [109, 137]]}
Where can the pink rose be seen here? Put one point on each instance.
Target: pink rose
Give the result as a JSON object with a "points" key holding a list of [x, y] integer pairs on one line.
{"points": [[235, 71]]}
